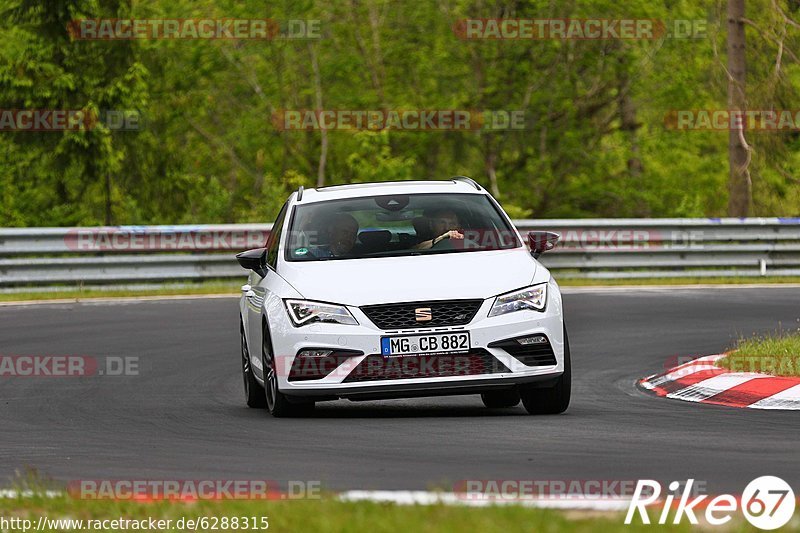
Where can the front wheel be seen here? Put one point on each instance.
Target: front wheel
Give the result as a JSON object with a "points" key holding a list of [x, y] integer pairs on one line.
{"points": [[550, 400], [278, 404], [253, 393]]}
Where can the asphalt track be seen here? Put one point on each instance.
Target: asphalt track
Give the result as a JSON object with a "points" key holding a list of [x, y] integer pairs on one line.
{"points": [[183, 416]]}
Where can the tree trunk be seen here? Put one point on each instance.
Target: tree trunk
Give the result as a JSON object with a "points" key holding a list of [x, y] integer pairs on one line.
{"points": [[108, 219], [490, 160], [739, 184], [630, 128], [323, 149]]}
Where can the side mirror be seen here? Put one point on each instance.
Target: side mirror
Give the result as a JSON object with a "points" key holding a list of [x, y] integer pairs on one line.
{"points": [[255, 260], [542, 241]]}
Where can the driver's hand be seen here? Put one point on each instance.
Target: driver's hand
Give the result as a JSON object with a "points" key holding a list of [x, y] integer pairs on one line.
{"points": [[452, 234]]}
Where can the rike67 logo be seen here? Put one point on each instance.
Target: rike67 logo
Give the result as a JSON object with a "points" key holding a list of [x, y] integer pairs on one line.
{"points": [[767, 502]]}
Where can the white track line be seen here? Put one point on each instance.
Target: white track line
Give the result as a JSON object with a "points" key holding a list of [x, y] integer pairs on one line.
{"points": [[567, 289], [11, 493], [420, 497], [411, 497]]}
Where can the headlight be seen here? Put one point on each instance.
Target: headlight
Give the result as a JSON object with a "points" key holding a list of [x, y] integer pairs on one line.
{"points": [[303, 312], [529, 298]]}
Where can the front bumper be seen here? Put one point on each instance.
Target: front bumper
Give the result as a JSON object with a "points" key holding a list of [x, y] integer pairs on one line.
{"points": [[421, 388], [365, 339]]}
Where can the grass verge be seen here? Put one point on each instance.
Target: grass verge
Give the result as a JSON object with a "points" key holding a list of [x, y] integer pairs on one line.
{"points": [[82, 293], [565, 281], [74, 293], [777, 354], [324, 515]]}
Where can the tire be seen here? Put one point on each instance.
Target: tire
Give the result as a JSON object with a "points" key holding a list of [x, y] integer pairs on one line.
{"points": [[253, 391], [277, 403], [501, 398], [550, 400]]}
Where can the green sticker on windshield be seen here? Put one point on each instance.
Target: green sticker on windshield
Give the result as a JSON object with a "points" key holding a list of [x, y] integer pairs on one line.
{"points": [[301, 251]]}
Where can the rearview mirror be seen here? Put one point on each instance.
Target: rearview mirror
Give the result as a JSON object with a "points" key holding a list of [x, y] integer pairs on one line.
{"points": [[255, 260], [542, 241]]}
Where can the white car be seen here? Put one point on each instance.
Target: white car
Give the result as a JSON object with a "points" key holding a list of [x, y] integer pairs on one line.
{"points": [[401, 289]]}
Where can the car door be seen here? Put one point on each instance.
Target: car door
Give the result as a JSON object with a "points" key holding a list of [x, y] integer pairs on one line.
{"points": [[258, 292]]}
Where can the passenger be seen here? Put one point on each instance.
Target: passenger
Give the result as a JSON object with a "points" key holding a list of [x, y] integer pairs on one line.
{"points": [[445, 225]]}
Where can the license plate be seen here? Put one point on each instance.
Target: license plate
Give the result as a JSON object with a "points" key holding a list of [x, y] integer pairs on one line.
{"points": [[431, 344]]}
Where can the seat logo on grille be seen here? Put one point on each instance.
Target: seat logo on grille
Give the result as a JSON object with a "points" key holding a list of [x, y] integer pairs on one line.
{"points": [[423, 314]]}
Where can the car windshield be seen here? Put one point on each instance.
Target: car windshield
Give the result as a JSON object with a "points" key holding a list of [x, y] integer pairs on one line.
{"points": [[397, 225]]}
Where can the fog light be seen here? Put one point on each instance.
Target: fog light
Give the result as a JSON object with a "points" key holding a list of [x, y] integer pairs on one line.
{"points": [[315, 353], [316, 363], [536, 339]]}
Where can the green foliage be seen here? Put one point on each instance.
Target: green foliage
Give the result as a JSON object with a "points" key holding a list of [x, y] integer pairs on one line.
{"points": [[372, 159], [208, 150], [777, 354]]}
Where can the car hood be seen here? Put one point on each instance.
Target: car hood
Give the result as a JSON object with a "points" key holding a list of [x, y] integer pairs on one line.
{"points": [[460, 275]]}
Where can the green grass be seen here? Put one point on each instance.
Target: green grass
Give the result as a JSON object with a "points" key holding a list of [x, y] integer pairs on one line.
{"points": [[327, 514], [81, 293], [777, 354], [74, 293]]}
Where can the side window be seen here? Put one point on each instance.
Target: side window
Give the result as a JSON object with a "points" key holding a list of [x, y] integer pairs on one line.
{"points": [[275, 238]]}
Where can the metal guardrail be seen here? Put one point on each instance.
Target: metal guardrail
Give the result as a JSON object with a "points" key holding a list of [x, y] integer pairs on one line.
{"points": [[589, 248]]}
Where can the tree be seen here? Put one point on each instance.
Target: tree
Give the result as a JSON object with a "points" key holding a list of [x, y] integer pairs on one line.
{"points": [[74, 178], [739, 186]]}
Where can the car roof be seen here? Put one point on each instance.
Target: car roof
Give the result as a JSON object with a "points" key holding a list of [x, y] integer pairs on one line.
{"points": [[356, 190]]}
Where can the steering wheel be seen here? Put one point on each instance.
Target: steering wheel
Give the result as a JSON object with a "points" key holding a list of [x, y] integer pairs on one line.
{"points": [[444, 244]]}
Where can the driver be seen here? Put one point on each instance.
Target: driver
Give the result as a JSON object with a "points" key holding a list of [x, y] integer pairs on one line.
{"points": [[341, 232], [444, 223]]}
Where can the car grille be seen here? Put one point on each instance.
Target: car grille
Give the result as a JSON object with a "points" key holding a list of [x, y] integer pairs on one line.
{"points": [[529, 355], [379, 368], [403, 315]]}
